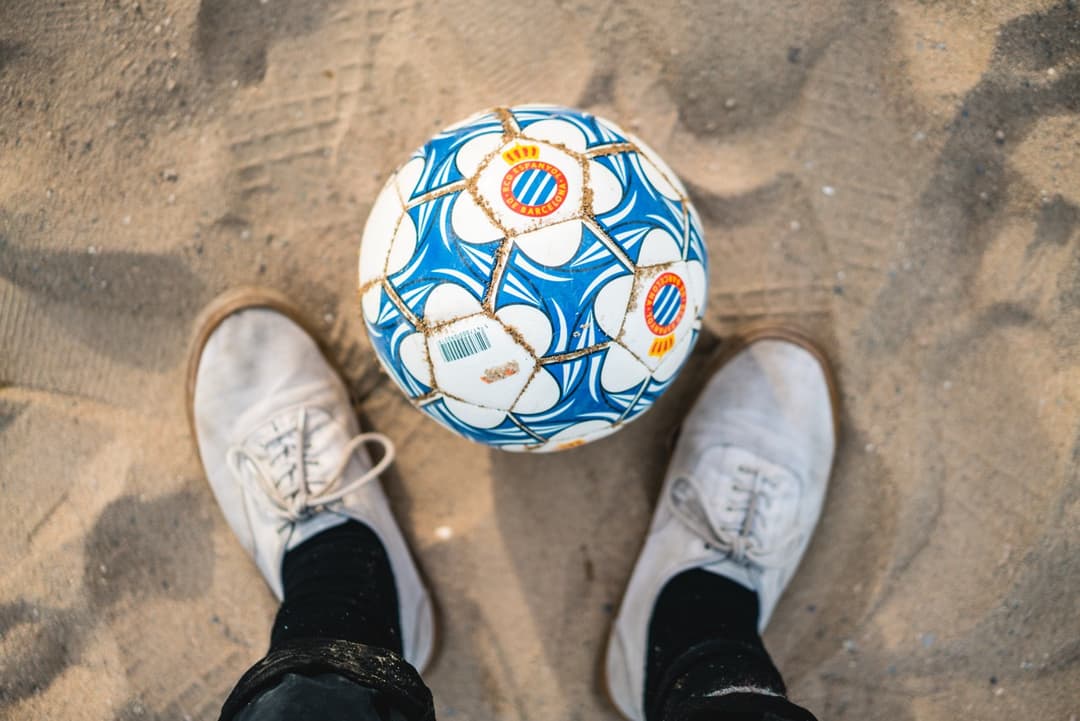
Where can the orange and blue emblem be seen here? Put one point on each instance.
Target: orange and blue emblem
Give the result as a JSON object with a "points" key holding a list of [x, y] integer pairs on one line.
{"points": [[532, 187], [665, 305]]}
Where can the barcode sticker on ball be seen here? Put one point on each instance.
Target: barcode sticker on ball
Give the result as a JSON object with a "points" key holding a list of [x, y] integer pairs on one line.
{"points": [[464, 344]]}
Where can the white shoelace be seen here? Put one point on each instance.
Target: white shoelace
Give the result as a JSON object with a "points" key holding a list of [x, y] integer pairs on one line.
{"points": [[739, 531], [290, 491]]}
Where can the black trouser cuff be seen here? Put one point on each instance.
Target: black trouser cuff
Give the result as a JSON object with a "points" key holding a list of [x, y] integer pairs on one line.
{"points": [[741, 707], [379, 669], [708, 668]]}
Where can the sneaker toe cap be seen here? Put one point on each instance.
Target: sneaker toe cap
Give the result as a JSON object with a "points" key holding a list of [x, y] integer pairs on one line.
{"points": [[773, 397]]}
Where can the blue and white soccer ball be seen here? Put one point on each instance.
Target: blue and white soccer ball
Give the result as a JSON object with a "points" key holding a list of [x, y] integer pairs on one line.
{"points": [[533, 278]]}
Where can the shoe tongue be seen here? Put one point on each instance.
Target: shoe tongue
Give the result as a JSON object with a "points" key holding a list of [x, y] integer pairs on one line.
{"points": [[293, 452]]}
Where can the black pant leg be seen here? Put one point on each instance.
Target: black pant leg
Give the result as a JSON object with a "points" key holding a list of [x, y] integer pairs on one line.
{"points": [[328, 697], [741, 707], [706, 660], [336, 642]]}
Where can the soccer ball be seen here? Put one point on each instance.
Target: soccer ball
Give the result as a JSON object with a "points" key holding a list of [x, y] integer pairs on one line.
{"points": [[533, 277]]}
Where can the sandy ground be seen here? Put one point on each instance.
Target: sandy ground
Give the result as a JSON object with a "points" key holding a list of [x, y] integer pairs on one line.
{"points": [[900, 178]]}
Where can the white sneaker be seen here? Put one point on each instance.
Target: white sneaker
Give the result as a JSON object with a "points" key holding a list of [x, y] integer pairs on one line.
{"points": [[742, 494], [282, 449]]}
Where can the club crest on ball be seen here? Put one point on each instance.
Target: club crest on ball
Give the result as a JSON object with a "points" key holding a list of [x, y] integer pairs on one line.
{"points": [[665, 304], [532, 187]]}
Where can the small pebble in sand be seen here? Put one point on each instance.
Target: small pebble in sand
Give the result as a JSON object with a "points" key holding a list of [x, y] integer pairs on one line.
{"points": [[444, 533], [126, 220], [947, 385], [850, 646], [794, 225], [828, 190], [730, 103], [328, 318], [92, 250]]}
